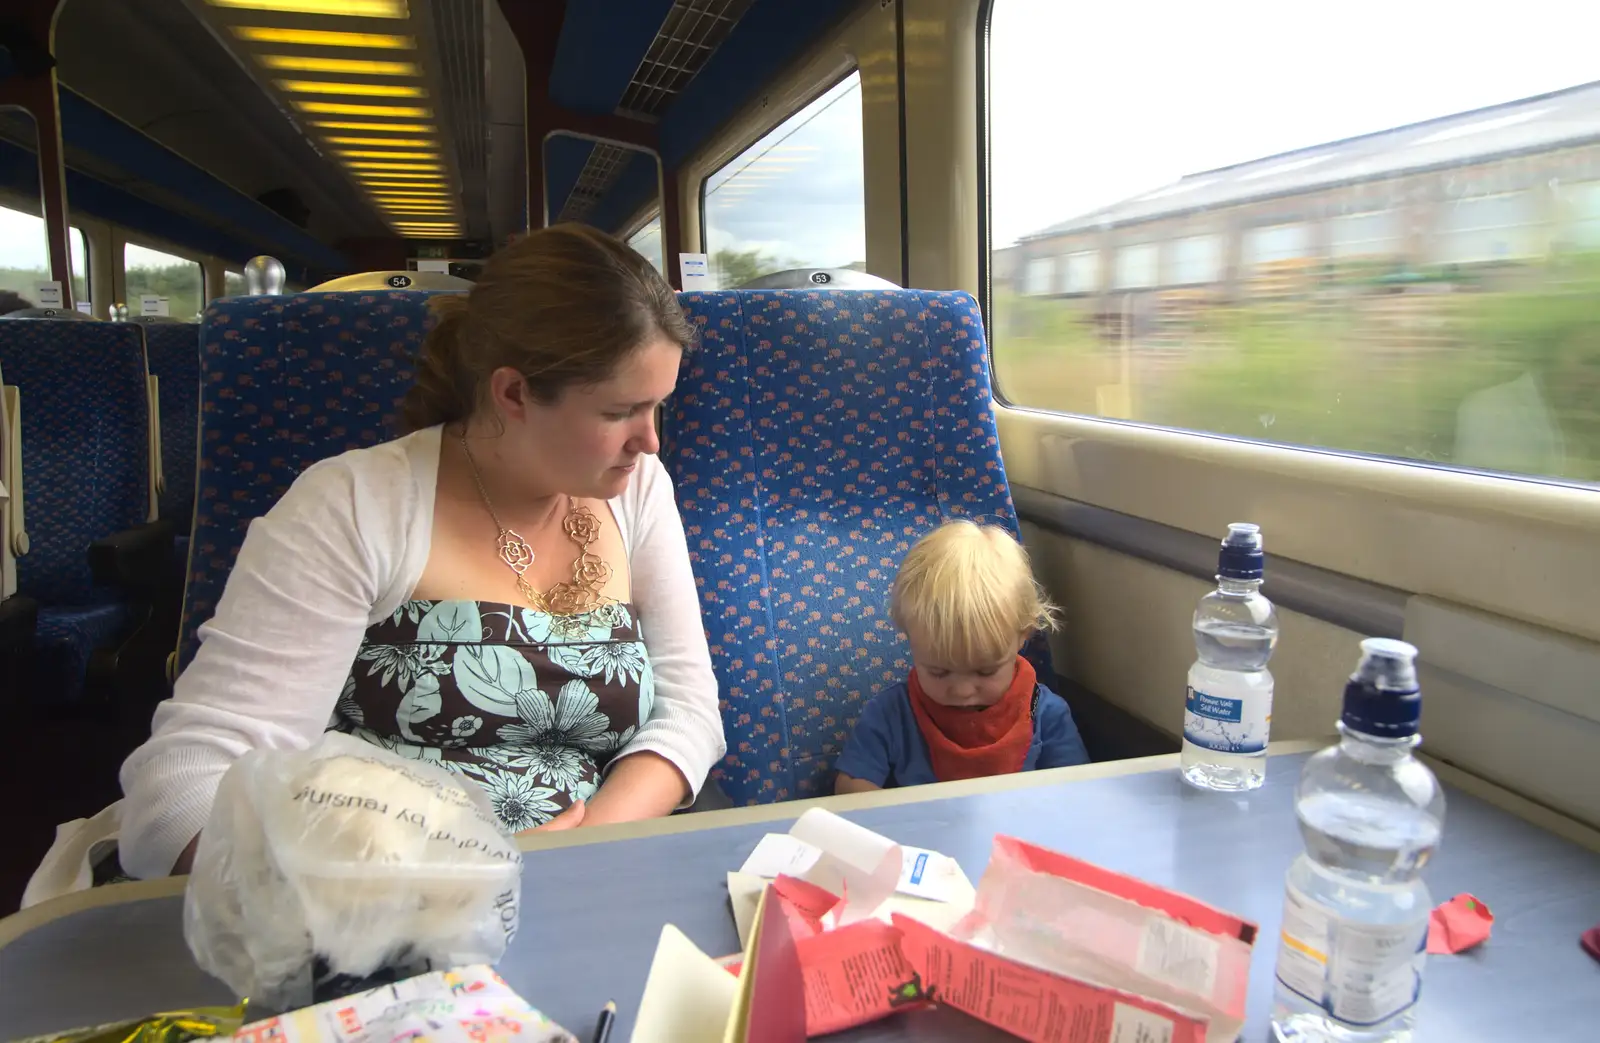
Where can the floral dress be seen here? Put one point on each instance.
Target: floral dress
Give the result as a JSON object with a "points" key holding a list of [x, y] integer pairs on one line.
{"points": [[528, 705]]}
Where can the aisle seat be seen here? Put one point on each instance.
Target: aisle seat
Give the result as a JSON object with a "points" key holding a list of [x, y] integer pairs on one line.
{"points": [[85, 462], [813, 437]]}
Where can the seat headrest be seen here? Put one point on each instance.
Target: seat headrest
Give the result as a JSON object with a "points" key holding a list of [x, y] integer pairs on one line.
{"points": [[50, 313], [394, 281]]}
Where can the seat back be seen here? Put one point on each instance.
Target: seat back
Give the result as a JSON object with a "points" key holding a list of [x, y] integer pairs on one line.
{"points": [[813, 437], [174, 354], [85, 445], [286, 381], [12, 519]]}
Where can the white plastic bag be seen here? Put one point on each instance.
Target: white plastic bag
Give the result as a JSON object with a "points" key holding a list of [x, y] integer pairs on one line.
{"points": [[346, 860]]}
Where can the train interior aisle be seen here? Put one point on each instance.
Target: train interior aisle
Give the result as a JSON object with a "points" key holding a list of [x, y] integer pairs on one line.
{"points": [[1131, 280]]}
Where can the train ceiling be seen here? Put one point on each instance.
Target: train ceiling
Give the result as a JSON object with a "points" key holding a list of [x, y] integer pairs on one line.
{"points": [[377, 118]]}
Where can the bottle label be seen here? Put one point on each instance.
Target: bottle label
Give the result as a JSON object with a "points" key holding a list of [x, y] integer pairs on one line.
{"points": [[1223, 724], [1362, 974]]}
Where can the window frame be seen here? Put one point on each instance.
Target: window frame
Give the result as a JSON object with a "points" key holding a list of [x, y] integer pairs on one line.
{"points": [[21, 203], [638, 223], [1456, 481], [145, 243], [853, 69]]}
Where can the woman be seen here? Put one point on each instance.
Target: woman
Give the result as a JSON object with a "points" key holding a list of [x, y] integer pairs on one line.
{"points": [[505, 591]]}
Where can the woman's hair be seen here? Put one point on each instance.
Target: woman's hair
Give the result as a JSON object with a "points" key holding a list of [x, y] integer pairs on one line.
{"points": [[967, 593], [562, 306]]}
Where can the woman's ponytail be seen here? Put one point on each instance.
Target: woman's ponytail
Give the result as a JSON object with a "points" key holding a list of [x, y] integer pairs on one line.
{"points": [[445, 389]]}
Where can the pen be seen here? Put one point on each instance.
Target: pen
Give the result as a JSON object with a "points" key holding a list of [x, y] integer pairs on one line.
{"points": [[602, 1028]]}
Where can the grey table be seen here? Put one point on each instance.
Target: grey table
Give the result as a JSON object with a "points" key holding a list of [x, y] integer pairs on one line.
{"points": [[595, 901]]}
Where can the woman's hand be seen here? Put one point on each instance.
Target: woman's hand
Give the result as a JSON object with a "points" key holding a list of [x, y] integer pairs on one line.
{"points": [[568, 819]]}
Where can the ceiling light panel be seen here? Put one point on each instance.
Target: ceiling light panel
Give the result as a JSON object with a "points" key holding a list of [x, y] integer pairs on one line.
{"points": [[323, 38], [385, 128], [349, 153], [368, 164], [337, 66], [339, 8], [352, 90], [385, 142], [360, 93], [337, 108]]}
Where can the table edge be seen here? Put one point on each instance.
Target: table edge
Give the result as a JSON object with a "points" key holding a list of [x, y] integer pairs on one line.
{"points": [[20, 923]]}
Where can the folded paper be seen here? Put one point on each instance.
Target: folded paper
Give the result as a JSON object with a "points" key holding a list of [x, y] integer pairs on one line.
{"points": [[1036, 1005], [874, 876], [466, 1005], [1052, 949], [693, 998], [1080, 921], [1458, 924]]}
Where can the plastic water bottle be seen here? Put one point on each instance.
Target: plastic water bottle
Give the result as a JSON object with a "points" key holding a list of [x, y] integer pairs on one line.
{"points": [[1355, 913], [1228, 708]]}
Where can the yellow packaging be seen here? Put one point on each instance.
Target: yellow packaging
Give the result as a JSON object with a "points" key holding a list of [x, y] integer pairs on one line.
{"points": [[176, 1026]]}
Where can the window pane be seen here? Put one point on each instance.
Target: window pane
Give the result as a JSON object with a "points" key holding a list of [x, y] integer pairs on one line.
{"points": [[1136, 266], [1196, 259], [1083, 271], [1275, 243], [1375, 234], [793, 199], [178, 279], [1400, 263], [647, 241], [1041, 275], [25, 256], [233, 284]]}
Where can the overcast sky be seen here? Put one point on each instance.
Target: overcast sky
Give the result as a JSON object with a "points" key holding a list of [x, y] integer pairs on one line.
{"points": [[1095, 103]]}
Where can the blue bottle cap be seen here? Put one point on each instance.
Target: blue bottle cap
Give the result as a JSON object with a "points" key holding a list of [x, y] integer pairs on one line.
{"points": [[1241, 557], [1382, 698]]}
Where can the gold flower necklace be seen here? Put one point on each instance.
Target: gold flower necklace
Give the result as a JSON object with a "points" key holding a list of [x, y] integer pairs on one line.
{"points": [[589, 571]]}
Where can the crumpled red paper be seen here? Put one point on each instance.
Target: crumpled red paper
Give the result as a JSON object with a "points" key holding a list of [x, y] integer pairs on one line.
{"points": [[1590, 940], [1458, 925]]}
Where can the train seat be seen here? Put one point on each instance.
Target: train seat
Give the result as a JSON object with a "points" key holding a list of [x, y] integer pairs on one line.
{"points": [[815, 435], [85, 460], [286, 381], [174, 354]]}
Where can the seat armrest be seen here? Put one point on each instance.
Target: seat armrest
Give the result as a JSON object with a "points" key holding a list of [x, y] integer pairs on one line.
{"points": [[18, 617], [137, 560]]}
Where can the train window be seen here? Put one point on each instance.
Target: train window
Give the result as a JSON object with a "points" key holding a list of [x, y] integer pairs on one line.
{"points": [[796, 198], [25, 256], [647, 241], [178, 279], [1399, 263], [233, 284]]}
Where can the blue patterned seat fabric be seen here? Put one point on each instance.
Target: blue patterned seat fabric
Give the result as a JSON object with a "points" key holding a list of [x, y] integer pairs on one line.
{"points": [[285, 382], [813, 437], [174, 353], [85, 465]]}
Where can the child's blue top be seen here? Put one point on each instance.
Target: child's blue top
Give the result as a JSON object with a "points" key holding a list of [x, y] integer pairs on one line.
{"points": [[887, 748]]}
